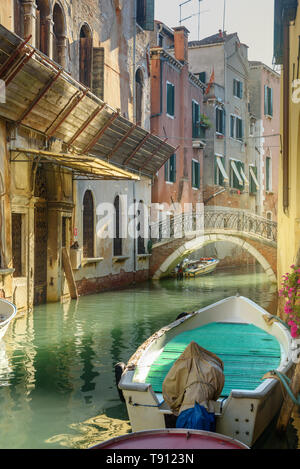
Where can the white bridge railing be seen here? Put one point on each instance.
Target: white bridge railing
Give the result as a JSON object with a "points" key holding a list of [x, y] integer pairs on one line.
{"points": [[218, 218]]}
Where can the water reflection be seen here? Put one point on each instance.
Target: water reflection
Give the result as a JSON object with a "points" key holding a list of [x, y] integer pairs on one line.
{"points": [[57, 385]]}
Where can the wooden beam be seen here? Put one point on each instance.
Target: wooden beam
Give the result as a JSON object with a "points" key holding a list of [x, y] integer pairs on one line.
{"points": [[39, 97], [12, 57], [120, 143], [153, 154], [86, 124], [66, 112], [69, 274], [100, 133], [137, 149]]}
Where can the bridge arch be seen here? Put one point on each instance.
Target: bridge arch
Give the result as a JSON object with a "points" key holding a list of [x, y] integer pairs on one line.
{"points": [[166, 256]]}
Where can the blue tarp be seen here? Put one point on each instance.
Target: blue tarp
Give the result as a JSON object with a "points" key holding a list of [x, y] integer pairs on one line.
{"points": [[197, 418]]}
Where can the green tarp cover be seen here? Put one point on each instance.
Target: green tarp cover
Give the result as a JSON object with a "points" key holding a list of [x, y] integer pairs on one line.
{"points": [[246, 351]]}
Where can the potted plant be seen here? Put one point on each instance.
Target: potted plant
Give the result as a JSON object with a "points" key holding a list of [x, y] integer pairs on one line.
{"points": [[291, 292]]}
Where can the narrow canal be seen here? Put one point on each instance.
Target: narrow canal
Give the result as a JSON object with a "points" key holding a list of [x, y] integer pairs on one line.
{"points": [[57, 386]]}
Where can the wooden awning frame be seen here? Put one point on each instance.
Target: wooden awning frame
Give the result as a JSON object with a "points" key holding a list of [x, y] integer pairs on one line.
{"points": [[82, 166], [35, 81]]}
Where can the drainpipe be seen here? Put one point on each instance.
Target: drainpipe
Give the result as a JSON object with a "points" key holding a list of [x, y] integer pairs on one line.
{"points": [[286, 108], [134, 240], [134, 61]]}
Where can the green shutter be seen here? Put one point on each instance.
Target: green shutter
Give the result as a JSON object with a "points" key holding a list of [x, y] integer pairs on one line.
{"points": [[195, 174], [252, 188], [170, 99], [267, 174], [145, 14], [266, 100], [196, 119], [173, 168]]}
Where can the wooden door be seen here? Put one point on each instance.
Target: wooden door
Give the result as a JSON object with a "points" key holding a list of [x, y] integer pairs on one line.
{"points": [[40, 255], [86, 52]]}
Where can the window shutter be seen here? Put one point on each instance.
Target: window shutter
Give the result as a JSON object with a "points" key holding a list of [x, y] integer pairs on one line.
{"points": [[241, 90], [145, 14], [271, 102], [266, 100], [98, 72], [173, 168], [170, 99]]}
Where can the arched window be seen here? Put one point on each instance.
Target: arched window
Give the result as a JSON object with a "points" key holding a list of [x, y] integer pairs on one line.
{"points": [[141, 228], [43, 22], [88, 225], [117, 228], [19, 18], [59, 36], [139, 91], [85, 56]]}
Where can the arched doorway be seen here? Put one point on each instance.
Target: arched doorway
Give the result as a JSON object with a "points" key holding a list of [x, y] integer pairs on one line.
{"points": [[59, 35], [88, 225], [85, 56]]}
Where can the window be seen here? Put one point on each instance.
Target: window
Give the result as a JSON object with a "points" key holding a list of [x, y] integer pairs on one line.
{"points": [[117, 246], [145, 14], [236, 178], [88, 225], [170, 99], [85, 56], [268, 101], [220, 173], [237, 88], [170, 169], [59, 41], [139, 87], [220, 121], [17, 244], [268, 174], [202, 77], [141, 229], [253, 179], [19, 18], [195, 174], [196, 119], [236, 127], [43, 21], [160, 40]]}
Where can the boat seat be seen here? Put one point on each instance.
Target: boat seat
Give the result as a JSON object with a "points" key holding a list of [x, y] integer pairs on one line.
{"points": [[247, 352]]}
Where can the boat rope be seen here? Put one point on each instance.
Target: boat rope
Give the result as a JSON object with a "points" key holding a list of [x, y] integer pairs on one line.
{"points": [[285, 381], [271, 318]]}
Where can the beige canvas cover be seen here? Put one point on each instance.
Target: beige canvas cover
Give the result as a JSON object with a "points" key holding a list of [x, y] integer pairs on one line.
{"points": [[196, 376]]}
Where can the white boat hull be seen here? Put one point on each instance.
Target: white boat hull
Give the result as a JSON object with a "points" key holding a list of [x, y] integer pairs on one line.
{"points": [[244, 415], [7, 312]]}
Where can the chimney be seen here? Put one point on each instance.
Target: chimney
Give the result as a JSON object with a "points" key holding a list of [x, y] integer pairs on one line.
{"points": [[181, 43]]}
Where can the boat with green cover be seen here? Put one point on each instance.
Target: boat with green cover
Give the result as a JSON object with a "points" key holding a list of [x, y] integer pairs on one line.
{"points": [[249, 341]]}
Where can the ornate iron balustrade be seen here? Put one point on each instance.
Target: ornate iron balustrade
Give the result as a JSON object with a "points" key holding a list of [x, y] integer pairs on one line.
{"points": [[213, 218]]}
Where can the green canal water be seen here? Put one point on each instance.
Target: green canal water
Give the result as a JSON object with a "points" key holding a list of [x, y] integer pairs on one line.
{"points": [[57, 385]]}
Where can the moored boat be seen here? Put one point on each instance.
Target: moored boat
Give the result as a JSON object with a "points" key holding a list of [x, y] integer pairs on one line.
{"points": [[179, 439], [7, 313], [202, 267], [248, 340]]}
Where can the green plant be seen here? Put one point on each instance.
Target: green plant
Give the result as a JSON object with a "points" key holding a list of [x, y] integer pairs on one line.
{"points": [[205, 121], [291, 292]]}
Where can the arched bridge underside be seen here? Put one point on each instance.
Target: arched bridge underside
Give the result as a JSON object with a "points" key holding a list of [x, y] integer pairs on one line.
{"points": [[166, 254]]}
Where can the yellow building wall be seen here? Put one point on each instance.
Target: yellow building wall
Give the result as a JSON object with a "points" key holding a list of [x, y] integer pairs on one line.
{"points": [[289, 222], [6, 13]]}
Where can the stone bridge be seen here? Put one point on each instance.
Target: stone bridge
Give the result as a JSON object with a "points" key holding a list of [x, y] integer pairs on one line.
{"points": [[175, 238]]}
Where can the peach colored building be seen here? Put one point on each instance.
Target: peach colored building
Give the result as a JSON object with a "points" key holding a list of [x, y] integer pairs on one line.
{"points": [[264, 139], [176, 108]]}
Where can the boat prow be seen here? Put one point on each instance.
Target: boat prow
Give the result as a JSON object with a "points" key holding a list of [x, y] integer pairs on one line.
{"points": [[179, 439], [7, 313], [250, 341]]}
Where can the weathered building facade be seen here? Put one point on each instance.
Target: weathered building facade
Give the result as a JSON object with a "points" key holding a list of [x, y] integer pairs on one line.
{"points": [[221, 61], [286, 54], [76, 77], [176, 105], [264, 137]]}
